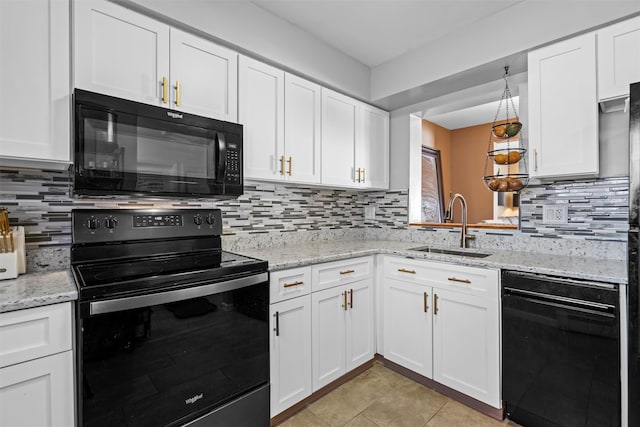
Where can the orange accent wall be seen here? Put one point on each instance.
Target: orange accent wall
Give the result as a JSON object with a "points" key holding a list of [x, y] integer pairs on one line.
{"points": [[463, 153], [468, 154]]}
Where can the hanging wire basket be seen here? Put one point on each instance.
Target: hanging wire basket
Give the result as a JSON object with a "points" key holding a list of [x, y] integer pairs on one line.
{"points": [[509, 160]]}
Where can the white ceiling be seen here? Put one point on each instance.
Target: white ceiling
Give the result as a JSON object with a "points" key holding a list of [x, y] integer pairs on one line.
{"points": [[376, 31], [472, 116]]}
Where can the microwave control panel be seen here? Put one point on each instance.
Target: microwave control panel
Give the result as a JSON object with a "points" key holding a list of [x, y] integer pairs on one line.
{"points": [[234, 174]]}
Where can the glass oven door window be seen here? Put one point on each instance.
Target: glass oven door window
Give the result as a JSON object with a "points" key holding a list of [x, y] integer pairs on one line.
{"points": [[166, 364]]}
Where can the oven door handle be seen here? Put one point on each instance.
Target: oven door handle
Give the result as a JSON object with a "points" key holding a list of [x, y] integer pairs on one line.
{"points": [[128, 303]]}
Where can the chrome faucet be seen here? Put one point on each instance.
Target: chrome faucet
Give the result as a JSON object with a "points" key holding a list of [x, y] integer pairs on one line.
{"points": [[464, 235]]}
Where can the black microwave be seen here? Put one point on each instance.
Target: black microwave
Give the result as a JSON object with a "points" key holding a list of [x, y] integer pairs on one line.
{"points": [[124, 147]]}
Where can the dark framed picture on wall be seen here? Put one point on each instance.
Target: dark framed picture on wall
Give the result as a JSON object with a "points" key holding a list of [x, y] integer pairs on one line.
{"points": [[432, 201]]}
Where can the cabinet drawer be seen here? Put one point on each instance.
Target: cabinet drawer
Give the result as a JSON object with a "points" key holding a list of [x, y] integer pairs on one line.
{"points": [[290, 283], [328, 275], [474, 280], [36, 332]]}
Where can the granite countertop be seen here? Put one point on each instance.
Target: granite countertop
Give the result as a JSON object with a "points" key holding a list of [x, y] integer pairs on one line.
{"points": [[37, 289], [280, 258]]}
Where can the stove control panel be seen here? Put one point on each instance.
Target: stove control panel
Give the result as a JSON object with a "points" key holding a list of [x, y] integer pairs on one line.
{"points": [[157, 220], [109, 225]]}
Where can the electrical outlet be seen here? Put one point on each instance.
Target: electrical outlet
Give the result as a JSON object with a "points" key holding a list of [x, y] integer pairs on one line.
{"points": [[369, 212], [555, 214]]}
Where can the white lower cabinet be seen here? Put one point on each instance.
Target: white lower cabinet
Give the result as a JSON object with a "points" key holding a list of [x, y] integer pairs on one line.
{"points": [[36, 367], [290, 352], [341, 330], [322, 326], [408, 326], [443, 322], [466, 348], [38, 392]]}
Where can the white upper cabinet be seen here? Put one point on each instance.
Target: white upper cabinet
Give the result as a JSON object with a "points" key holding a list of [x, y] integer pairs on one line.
{"points": [[35, 102], [372, 148], [206, 75], [563, 111], [301, 130], [355, 143], [281, 117], [618, 58], [261, 112], [340, 121], [128, 55], [121, 53]]}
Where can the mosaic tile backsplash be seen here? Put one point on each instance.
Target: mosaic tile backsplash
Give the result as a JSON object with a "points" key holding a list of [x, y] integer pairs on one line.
{"points": [[597, 209], [41, 202]]}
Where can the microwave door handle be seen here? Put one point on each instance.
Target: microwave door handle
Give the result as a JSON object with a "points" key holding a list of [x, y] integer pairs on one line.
{"points": [[221, 169]]}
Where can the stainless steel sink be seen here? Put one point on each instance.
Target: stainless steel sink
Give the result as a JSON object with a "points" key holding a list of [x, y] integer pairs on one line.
{"points": [[450, 252]]}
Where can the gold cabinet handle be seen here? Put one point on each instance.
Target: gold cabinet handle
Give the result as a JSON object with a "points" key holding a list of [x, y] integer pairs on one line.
{"points": [[164, 90], [347, 272], [435, 303], [344, 294], [402, 270], [282, 165], [363, 175], [535, 160], [426, 306], [351, 298], [289, 285], [455, 279], [177, 93], [290, 161], [358, 179]]}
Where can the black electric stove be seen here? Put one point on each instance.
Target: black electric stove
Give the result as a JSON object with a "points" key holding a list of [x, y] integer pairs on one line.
{"points": [[172, 330]]}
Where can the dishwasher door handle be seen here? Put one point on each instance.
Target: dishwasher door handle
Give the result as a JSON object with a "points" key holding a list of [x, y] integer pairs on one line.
{"points": [[560, 301]]}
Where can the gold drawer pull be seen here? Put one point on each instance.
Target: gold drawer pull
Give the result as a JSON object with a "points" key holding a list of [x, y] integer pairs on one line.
{"points": [[403, 270], [426, 306], [347, 272], [455, 279], [164, 90], [177, 93], [435, 303], [289, 285]]}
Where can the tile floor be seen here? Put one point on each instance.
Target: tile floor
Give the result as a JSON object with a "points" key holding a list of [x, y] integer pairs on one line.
{"points": [[380, 397]]}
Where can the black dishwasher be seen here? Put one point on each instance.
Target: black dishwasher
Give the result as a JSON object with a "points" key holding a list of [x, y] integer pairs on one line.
{"points": [[560, 351]]}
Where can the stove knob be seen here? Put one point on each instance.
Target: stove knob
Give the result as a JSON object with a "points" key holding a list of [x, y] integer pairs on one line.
{"points": [[211, 219], [93, 223], [111, 223], [197, 219]]}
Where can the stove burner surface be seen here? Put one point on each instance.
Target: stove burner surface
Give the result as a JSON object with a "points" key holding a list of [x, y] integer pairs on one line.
{"points": [[95, 274], [124, 270], [102, 278]]}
